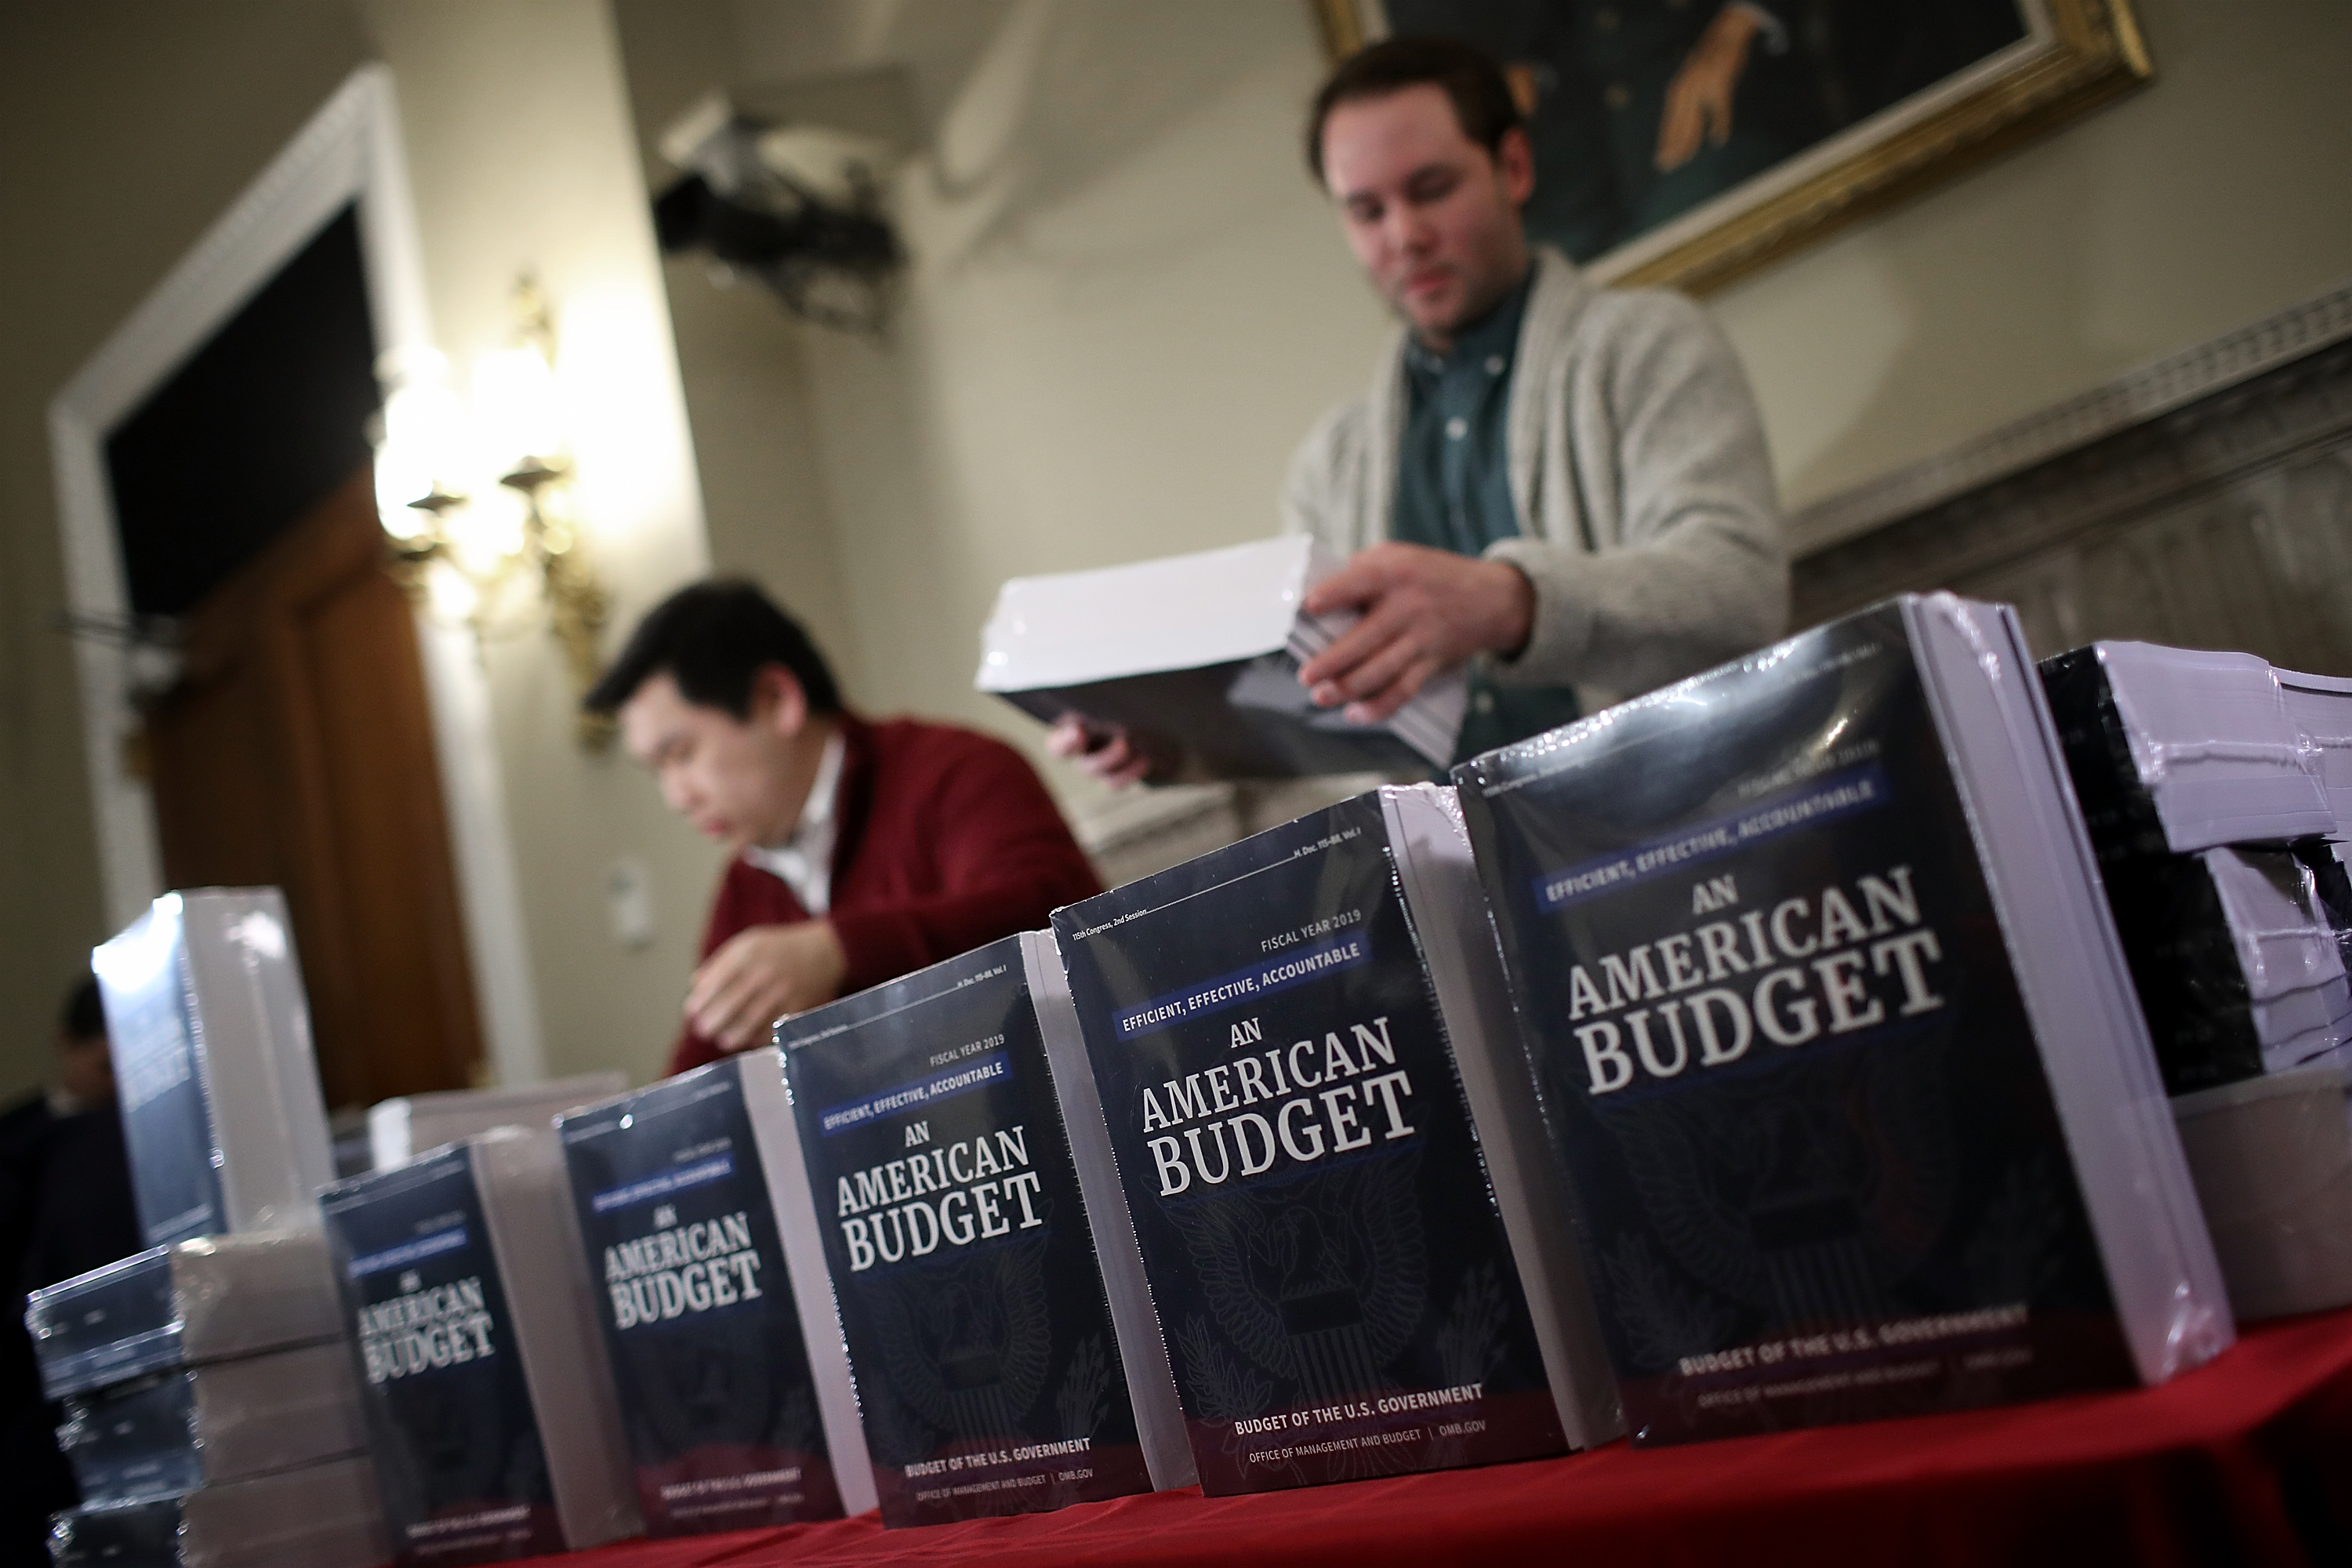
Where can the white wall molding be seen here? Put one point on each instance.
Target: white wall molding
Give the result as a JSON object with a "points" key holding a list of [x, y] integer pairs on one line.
{"points": [[350, 151], [2171, 382]]}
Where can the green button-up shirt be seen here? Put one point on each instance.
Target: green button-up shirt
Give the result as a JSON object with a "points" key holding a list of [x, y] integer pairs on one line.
{"points": [[1453, 492]]}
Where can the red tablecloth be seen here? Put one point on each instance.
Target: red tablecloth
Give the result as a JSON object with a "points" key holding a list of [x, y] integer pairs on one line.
{"points": [[2247, 1461]]}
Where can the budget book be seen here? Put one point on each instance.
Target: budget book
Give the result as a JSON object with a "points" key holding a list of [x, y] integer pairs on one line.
{"points": [[1835, 1039]]}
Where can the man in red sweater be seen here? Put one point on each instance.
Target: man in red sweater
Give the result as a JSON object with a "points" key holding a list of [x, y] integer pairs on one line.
{"points": [[862, 850]]}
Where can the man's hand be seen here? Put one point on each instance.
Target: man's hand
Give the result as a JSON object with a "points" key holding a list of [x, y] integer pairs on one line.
{"points": [[1107, 753], [1698, 101], [1424, 611], [759, 975]]}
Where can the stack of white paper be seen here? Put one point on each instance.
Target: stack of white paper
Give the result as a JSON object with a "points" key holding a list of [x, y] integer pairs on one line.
{"points": [[2298, 996], [1197, 658], [2320, 708]]}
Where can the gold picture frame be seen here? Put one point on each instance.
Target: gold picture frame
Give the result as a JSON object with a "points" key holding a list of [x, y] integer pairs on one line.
{"points": [[2077, 56]]}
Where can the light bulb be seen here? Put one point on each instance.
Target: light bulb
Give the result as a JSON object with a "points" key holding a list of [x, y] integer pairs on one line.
{"points": [[451, 596], [139, 957], [488, 532], [423, 445], [515, 406]]}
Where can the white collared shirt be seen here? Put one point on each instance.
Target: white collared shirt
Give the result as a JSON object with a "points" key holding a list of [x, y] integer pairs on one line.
{"points": [[804, 860]]}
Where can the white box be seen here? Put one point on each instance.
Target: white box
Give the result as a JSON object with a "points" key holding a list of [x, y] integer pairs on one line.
{"points": [[399, 1130], [2271, 1158]]}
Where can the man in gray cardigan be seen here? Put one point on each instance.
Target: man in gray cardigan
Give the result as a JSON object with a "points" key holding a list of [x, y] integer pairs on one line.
{"points": [[1562, 486]]}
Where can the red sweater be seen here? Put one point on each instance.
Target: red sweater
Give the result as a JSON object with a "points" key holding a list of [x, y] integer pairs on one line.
{"points": [[947, 841]]}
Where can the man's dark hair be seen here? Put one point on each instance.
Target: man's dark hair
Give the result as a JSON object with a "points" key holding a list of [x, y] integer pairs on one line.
{"points": [[713, 638], [1481, 97], [84, 1017]]}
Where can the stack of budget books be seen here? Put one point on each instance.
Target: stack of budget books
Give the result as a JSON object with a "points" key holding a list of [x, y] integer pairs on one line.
{"points": [[734, 1388], [2321, 707], [1835, 1039], [214, 1070], [211, 1409], [489, 1404], [321, 1516], [1005, 1355], [2207, 802], [2236, 912], [200, 1426], [1319, 1119], [2238, 961], [2180, 749], [1196, 658]]}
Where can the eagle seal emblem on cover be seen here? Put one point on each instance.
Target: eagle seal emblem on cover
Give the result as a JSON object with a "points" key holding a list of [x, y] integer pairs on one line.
{"points": [[967, 1347], [1320, 1282]]}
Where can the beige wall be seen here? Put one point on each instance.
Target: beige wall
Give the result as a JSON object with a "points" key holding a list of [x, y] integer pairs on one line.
{"points": [[1126, 303], [522, 154], [2212, 197], [125, 129], [741, 357], [1126, 306]]}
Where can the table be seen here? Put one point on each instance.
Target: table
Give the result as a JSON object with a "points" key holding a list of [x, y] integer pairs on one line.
{"points": [[2247, 1461]]}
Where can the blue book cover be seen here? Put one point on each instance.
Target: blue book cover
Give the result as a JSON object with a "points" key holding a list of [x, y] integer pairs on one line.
{"points": [[1790, 1048], [458, 1451], [717, 1394], [988, 1373], [152, 1033], [1325, 1247]]}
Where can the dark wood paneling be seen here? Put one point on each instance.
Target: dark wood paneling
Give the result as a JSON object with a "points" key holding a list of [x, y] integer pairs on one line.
{"points": [[2224, 524], [263, 419], [299, 751]]}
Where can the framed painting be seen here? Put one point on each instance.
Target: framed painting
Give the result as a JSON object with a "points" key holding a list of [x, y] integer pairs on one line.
{"points": [[1683, 142]]}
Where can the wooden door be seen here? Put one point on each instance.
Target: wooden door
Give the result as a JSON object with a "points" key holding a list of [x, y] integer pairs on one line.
{"points": [[297, 751]]}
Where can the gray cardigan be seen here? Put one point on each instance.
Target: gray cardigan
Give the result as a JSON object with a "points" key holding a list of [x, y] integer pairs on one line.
{"points": [[1651, 530]]}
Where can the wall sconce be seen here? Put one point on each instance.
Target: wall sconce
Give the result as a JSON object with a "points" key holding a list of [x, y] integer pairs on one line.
{"points": [[475, 500]]}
